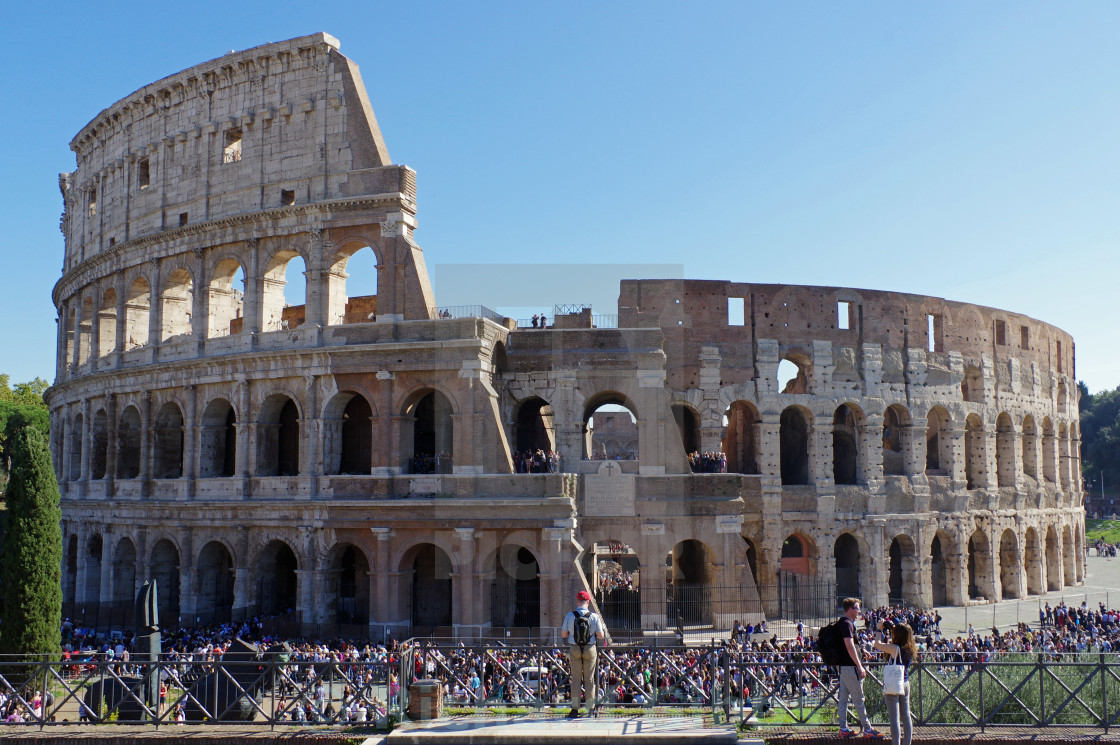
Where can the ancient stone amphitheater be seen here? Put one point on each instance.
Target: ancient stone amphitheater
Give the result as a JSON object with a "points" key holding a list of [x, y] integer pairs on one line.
{"points": [[349, 463]]}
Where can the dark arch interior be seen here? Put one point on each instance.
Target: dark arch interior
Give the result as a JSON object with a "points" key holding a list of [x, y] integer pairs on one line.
{"points": [[846, 553], [535, 429], [515, 594], [276, 579], [431, 588], [844, 468], [795, 447], [357, 437]]}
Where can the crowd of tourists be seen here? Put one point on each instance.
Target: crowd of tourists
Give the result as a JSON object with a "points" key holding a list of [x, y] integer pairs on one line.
{"points": [[1104, 548], [711, 462], [536, 461]]}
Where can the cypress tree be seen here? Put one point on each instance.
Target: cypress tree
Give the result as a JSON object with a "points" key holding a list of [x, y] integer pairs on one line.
{"points": [[31, 562]]}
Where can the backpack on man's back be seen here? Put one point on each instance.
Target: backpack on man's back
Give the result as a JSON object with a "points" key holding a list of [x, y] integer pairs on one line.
{"points": [[581, 628], [830, 644]]}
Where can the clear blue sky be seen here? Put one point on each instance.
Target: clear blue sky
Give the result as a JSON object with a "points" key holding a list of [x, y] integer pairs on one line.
{"points": [[964, 150]]}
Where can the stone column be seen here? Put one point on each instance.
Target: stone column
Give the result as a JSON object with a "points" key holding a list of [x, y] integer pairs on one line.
{"points": [[111, 445], [86, 445], [311, 464], [380, 613], [244, 461], [321, 253], [104, 591], [465, 614], [80, 593], [253, 300], [957, 468], [820, 455], [653, 563], [95, 350], [1064, 459], [76, 348], [956, 582], [870, 446], [191, 438]]}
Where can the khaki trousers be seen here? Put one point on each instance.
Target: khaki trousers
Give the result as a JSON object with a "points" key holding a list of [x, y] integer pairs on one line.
{"points": [[583, 673]]}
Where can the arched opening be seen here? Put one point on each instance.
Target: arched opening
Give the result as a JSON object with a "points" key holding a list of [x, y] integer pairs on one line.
{"points": [[793, 374], [124, 576], [1032, 562], [688, 590], [515, 592], [975, 457], [1049, 452], [894, 419], [1009, 567], [77, 440], [137, 308], [349, 577], [740, 437], [1068, 570], [972, 387], [91, 574], [165, 571], [1063, 398], [284, 292], [275, 579], [1005, 450], [799, 595], [70, 575], [107, 323], [128, 444], [71, 319], [979, 565], [846, 553], [357, 437], [352, 285], [845, 460], [85, 331], [98, 454], [278, 436], [168, 453], [610, 425], [214, 596], [1053, 560], [901, 570], [1030, 447], [688, 424], [218, 442], [939, 445], [176, 302], [428, 435], [794, 437], [430, 601], [534, 430], [616, 576], [938, 580], [226, 300]]}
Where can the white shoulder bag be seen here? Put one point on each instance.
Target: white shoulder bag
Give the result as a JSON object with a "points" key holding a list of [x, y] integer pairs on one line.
{"points": [[894, 675]]}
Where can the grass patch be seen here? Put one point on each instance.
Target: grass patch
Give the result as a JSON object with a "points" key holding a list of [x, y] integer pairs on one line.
{"points": [[1108, 530]]}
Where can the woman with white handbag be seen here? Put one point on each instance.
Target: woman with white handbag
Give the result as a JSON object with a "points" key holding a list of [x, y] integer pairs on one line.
{"points": [[900, 651]]}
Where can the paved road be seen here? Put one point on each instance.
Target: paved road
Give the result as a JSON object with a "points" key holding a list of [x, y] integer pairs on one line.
{"points": [[1102, 585]]}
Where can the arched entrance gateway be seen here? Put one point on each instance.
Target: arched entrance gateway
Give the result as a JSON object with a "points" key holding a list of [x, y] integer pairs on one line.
{"points": [[348, 582], [846, 553], [980, 580], [937, 573], [615, 572], [427, 587], [688, 588], [515, 593], [1009, 566], [274, 578], [214, 594]]}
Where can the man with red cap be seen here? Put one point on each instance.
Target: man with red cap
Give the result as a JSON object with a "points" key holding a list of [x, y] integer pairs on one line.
{"points": [[581, 630]]}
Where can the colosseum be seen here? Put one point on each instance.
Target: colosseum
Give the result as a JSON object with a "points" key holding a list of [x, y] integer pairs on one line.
{"points": [[360, 462]]}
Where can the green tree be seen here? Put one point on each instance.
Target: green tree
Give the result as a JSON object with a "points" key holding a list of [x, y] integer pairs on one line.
{"points": [[20, 406], [31, 560], [1100, 437]]}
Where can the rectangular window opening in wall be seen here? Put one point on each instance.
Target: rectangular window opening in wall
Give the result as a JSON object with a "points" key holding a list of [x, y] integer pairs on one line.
{"points": [[935, 332], [144, 173], [231, 152], [1024, 337], [92, 202], [843, 315], [112, 242], [183, 217], [1001, 333], [1059, 356], [736, 311], [287, 197]]}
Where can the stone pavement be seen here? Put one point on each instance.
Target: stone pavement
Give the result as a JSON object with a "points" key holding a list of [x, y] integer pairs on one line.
{"points": [[553, 730]]}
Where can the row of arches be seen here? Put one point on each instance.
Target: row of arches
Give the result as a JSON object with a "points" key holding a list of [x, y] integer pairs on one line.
{"points": [[977, 566], [214, 587], [181, 301], [122, 448]]}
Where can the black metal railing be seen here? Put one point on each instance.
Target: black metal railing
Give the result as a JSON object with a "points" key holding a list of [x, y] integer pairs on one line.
{"points": [[424, 464]]}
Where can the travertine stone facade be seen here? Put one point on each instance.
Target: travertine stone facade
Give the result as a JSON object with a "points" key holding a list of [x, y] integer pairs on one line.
{"points": [[352, 458]]}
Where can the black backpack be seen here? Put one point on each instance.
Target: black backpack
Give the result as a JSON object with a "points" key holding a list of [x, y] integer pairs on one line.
{"points": [[581, 630], [830, 644]]}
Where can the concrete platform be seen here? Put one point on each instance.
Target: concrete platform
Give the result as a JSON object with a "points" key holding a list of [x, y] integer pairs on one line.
{"points": [[559, 730]]}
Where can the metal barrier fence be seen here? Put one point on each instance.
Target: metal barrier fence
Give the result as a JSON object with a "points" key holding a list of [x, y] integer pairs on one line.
{"points": [[266, 692], [768, 689]]}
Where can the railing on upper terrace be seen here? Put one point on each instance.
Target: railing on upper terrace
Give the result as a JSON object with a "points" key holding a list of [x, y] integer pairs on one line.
{"points": [[467, 311]]}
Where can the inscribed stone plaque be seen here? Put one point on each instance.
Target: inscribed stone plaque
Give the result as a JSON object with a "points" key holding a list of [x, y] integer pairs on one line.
{"points": [[609, 493], [425, 485]]}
